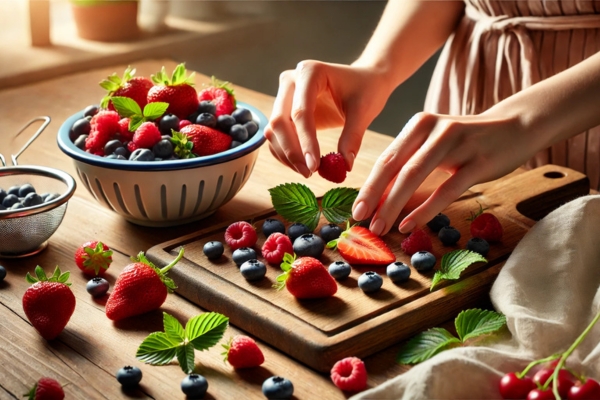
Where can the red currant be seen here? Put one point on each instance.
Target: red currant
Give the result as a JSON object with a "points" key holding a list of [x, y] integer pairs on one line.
{"points": [[565, 380], [590, 390], [539, 394], [513, 387]]}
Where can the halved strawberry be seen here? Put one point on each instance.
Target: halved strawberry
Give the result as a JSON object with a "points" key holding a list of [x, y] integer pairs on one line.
{"points": [[358, 245]]}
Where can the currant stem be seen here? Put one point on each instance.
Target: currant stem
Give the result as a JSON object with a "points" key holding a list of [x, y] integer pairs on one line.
{"points": [[175, 261], [532, 364]]}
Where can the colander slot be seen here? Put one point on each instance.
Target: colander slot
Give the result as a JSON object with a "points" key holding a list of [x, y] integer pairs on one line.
{"points": [[217, 191], [183, 197], [120, 198], [101, 191], [200, 192], [245, 173], [138, 199], [232, 189], [83, 177], [163, 201]]}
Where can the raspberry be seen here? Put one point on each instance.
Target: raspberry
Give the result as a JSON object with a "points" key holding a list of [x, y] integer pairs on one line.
{"points": [[124, 132], [183, 123], [106, 122], [46, 389], [132, 147], [333, 167], [243, 352], [146, 136], [349, 374], [240, 234], [486, 226], [276, 245], [418, 240]]}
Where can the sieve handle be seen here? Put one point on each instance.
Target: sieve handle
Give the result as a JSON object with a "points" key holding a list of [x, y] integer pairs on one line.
{"points": [[46, 120]]}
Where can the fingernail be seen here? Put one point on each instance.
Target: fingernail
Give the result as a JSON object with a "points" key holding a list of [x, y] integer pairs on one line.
{"points": [[407, 226], [377, 227], [301, 168], [350, 162], [310, 162], [360, 211]]}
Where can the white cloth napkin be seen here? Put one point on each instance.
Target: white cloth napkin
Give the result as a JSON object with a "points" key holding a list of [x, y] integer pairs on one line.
{"points": [[549, 291]]}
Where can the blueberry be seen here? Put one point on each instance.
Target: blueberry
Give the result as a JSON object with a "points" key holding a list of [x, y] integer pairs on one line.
{"points": [[234, 144], [142, 155], [309, 245], [2, 273], [97, 286], [251, 127], [111, 156], [478, 245], [14, 190], [239, 133], [438, 222], [339, 270], [9, 200], [207, 119], [423, 261], [242, 255], [16, 206], [32, 199], [168, 123], [194, 386], [241, 115], [80, 142], [90, 111], [449, 235], [51, 196], [277, 387], [25, 190], [192, 117], [207, 106], [225, 122], [80, 127], [163, 149], [111, 146], [330, 232], [88, 117], [129, 377], [296, 230], [3, 194], [398, 272], [272, 225], [253, 270], [121, 151], [213, 249], [370, 282]]}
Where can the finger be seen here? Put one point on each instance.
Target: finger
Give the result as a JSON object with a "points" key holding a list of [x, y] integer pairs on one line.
{"points": [[309, 83], [352, 135], [275, 152]]}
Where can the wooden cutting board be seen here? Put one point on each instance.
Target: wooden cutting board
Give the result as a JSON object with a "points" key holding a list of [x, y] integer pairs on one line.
{"points": [[352, 323]]}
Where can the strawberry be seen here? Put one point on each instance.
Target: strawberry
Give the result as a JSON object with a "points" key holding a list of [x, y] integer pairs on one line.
{"points": [[333, 167], [306, 278], [124, 132], [485, 226], [93, 257], [49, 302], [183, 123], [349, 374], [276, 245], [46, 389], [206, 140], [358, 245], [243, 352], [177, 91], [141, 287], [221, 94], [146, 135], [135, 88], [240, 234], [417, 241]]}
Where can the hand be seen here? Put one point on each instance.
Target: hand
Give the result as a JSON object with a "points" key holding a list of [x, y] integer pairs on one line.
{"points": [[472, 149], [318, 95]]}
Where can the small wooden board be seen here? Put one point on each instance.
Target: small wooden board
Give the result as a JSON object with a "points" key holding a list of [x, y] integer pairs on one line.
{"points": [[352, 323]]}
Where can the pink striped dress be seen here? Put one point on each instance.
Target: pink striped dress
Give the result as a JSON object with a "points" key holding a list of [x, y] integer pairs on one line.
{"points": [[502, 47]]}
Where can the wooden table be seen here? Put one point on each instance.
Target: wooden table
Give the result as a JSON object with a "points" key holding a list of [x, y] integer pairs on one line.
{"points": [[88, 353]]}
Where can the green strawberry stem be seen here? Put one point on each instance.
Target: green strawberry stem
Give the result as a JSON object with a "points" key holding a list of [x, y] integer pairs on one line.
{"points": [[537, 362], [57, 276], [227, 346], [166, 269], [286, 267]]}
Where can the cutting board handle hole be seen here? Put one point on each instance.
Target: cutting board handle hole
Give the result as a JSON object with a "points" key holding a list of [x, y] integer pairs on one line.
{"points": [[554, 175]]}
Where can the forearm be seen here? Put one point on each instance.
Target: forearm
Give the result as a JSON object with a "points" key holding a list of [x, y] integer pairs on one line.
{"points": [[409, 32], [559, 107]]}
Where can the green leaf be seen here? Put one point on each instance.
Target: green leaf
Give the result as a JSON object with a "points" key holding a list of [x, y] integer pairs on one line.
{"points": [[108, 85], [205, 330], [125, 106], [55, 275], [296, 203], [454, 263], [135, 122], [425, 345], [185, 356], [475, 322], [30, 278], [41, 275], [173, 328], [155, 110], [157, 349], [337, 204]]}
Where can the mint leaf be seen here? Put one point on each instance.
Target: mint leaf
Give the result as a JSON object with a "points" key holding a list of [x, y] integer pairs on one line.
{"points": [[157, 349], [134, 122], [126, 107], [454, 263], [475, 322], [425, 345], [205, 330], [296, 203], [185, 356], [155, 110], [173, 328], [337, 204]]}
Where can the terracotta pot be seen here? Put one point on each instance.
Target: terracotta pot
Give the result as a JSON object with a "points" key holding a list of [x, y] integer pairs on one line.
{"points": [[113, 21]]}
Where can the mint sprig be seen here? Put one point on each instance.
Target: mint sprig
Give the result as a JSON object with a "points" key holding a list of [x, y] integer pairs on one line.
{"points": [[454, 263], [129, 108], [297, 203], [201, 332], [469, 324]]}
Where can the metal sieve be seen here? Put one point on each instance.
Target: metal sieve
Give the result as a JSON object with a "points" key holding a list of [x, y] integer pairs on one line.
{"points": [[25, 232]]}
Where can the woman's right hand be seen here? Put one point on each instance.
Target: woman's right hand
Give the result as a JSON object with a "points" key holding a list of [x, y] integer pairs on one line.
{"points": [[318, 95]]}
